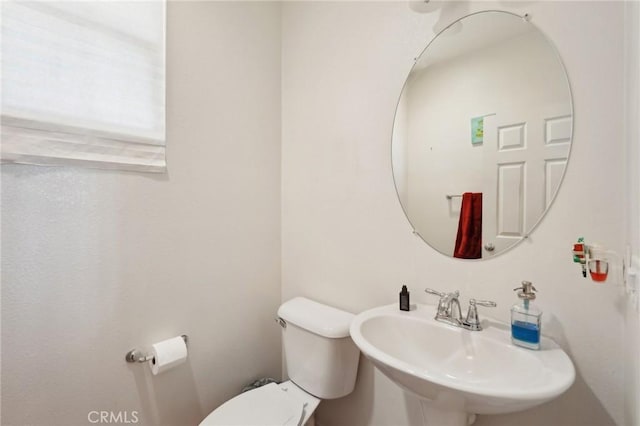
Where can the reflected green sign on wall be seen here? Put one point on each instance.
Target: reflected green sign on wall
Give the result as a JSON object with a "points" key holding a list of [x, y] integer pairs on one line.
{"points": [[477, 130]]}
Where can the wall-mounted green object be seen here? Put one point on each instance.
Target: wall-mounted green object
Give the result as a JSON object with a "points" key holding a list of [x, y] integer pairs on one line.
{"points": [[477, 130]]}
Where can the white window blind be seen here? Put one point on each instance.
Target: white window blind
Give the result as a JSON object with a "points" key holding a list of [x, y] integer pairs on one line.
{"points": [[83, 83]]}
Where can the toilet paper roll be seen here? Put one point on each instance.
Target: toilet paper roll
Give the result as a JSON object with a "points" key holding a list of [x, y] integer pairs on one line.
{"points": [[167, 354]]}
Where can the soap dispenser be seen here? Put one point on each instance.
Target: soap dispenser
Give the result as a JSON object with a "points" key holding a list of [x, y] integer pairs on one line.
{"points": [[525, 318], [404, 299]]}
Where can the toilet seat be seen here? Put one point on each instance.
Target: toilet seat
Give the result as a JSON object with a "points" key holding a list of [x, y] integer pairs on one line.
{"points": [[274, 404]]}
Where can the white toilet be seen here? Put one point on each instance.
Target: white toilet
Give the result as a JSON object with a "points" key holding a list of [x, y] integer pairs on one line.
{"points": [[322, 363]]}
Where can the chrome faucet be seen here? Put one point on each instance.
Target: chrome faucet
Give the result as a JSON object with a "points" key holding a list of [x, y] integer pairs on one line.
{"points": [[448, 307], [449, 310]]}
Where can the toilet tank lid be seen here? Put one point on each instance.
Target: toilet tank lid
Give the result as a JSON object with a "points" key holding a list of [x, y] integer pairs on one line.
{"points": [[317, 318]]}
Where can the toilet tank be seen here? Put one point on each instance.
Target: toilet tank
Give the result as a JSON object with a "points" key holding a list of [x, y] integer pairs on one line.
{"points": [[320, 356]]}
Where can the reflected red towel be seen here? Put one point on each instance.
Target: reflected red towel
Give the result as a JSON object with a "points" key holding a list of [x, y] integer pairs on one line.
{"points": [[469, 239]]}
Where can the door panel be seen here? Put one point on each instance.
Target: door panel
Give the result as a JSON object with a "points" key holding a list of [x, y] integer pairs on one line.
{"points": [[525, 154]]}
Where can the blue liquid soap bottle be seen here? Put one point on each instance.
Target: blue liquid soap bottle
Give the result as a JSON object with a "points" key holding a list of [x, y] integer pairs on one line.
{"points": [[525, 318]]}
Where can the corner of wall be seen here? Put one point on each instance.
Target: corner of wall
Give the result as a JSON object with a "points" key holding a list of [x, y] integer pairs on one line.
{"points": [[632, 146]]}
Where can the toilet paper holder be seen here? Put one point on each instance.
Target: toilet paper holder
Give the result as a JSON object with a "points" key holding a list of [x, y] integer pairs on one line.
{"points": [[138, 355]]}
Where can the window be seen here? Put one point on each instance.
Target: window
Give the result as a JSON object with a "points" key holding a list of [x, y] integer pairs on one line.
{"points": [[83, 83]]}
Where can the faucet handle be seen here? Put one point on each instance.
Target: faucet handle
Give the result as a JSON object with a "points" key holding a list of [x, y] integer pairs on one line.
{"points": [[487, 303], [453, 294], [435, 292], [473, 322]]}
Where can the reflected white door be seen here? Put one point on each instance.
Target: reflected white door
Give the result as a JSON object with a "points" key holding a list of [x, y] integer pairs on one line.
{"points": [[525, 153]]}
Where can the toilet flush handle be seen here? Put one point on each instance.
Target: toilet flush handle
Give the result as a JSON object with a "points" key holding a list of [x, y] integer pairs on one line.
{"points": [[281, 322]]}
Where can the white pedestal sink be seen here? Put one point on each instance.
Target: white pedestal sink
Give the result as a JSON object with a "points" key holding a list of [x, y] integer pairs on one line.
{"points": [[458, 373]]}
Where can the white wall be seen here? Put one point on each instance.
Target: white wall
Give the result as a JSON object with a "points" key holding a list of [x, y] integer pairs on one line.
{"points": [[95, 263], [632, 136], [346, 241], [399, 152]]}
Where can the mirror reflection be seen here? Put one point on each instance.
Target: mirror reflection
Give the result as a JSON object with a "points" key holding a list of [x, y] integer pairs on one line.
{"points": [[482, 135]]}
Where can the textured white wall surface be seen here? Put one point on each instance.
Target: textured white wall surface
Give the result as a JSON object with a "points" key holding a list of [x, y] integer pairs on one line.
{"points": [[95, 263], [632, 121], [347, 243]]}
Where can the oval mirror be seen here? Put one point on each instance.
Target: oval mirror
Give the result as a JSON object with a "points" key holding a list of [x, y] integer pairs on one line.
{"points": [[482, 135]]}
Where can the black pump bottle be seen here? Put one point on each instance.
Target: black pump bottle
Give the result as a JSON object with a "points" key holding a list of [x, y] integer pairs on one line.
{"points": [[404, 299]]}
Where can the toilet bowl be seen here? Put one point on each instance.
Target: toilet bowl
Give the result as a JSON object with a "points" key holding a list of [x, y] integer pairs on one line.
{"points": [[274, 404], [322, 363]]}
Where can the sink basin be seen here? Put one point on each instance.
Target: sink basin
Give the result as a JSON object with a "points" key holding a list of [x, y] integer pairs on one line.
{"points": [[460, 371]]}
